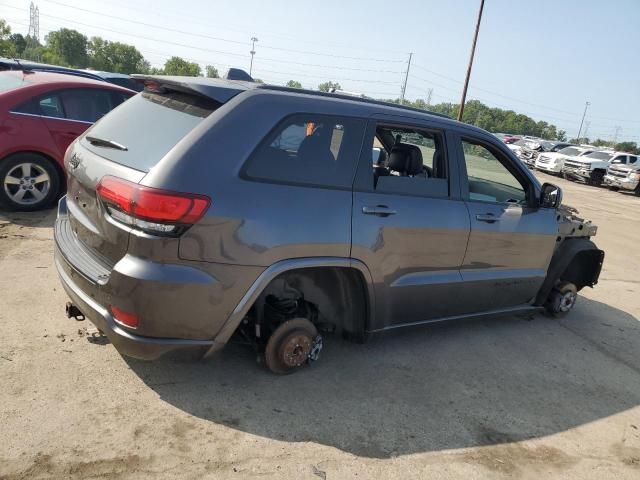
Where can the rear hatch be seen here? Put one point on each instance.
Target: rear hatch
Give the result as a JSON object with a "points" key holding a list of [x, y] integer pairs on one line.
{"points": [[119, 151]]}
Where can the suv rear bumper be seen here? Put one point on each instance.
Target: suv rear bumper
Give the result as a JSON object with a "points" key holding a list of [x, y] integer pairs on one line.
{"points": [[145, 348], [93, 285]]}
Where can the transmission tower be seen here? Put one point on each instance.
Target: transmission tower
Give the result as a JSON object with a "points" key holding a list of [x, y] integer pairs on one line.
{"points": [[34, 22], [616, 132]]}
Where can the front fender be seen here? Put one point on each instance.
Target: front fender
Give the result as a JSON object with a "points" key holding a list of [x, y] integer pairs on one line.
{"points": [[577, 260]]}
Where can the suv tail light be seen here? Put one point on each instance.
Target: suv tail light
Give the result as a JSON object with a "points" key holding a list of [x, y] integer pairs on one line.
{"points": [[151, 209]]}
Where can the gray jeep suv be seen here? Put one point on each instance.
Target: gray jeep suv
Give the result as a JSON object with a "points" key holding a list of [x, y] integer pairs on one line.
{"points": [[201, 209]]}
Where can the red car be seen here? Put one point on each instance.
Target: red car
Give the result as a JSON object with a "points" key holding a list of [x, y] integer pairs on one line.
{"points": [[41, 113]]}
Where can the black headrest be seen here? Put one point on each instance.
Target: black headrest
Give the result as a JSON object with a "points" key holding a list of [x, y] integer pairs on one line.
{"points": [[405, 159], [314, 149], [382, 159]]}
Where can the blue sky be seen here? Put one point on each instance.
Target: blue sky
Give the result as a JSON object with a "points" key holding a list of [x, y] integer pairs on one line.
{"points": [[544, 58]]}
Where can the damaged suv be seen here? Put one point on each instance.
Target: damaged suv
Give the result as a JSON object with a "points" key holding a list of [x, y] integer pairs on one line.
{"points": [[281, 215]]}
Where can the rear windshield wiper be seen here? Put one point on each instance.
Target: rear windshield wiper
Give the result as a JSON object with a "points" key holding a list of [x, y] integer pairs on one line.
{"points": [[101, 142]]}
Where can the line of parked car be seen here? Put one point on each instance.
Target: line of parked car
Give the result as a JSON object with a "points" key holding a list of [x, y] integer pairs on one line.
{"points": [[592, 165]]}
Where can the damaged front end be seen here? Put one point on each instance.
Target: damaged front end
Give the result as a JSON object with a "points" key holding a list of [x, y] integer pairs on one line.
{"points": [[576, 259], [570, 225]]}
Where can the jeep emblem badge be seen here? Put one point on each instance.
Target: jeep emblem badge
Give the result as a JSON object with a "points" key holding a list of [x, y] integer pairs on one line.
{"points": [[74, 161]]}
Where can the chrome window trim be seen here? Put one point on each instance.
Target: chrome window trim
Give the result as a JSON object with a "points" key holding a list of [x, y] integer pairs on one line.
{"points": [[52, 118]]}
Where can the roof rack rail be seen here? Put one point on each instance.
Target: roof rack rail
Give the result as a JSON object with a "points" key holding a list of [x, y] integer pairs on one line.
{"points": [[349, 96]]}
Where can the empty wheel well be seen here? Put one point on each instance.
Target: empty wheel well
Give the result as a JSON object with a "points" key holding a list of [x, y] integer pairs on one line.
{"points": [[338, 297], [584, 269]]}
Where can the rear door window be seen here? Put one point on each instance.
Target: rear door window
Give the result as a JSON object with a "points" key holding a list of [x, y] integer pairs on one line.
{"points": [[51, 106], [309, 149], [149, 125]]}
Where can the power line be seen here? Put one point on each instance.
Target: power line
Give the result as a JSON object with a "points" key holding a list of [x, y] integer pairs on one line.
{"points": [[221, 52], [220, 39], [244, 29]]}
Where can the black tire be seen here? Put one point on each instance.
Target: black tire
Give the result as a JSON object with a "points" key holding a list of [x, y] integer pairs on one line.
{"points": [[35, 196], [596, 178], [614, 189], [561, 300], [297, 333]]}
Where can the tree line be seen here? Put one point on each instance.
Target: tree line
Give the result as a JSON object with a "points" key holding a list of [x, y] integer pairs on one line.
{"points": [[70, 48]]}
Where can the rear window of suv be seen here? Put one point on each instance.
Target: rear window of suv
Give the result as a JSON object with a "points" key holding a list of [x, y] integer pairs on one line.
{"points": [[149, 125]]}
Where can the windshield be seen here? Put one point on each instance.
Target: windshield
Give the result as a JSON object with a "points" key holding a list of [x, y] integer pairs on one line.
{"points": [[9, 81], [600, 155], [570, 151]]}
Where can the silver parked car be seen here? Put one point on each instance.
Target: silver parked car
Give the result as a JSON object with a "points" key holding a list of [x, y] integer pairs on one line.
{"points": [[202, 209]]}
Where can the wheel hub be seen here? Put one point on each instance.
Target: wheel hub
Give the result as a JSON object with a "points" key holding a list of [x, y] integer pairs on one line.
{"points": [[567, 301], [296, 350]]}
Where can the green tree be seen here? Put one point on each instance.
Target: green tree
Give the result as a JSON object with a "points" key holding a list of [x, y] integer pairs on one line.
{"points": [[70, 46], [7, 47], [19, 42], [294, 84], [329, 86], [115, 57], [212, 72], [179, 66], [631, 147]]}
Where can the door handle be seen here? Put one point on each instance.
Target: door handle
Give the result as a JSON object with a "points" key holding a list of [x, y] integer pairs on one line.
{"points": [[379, 210], [487, 217]]}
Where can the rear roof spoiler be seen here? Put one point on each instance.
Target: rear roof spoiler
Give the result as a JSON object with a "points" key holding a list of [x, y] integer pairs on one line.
{"points": [[220, 90]]}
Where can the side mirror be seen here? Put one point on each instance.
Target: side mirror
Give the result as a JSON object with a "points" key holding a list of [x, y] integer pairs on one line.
{"points": [[550, 196]]}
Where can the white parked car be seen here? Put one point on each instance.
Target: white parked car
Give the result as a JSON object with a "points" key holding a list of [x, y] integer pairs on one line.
{"points": [[593, 167], [553, 162]]}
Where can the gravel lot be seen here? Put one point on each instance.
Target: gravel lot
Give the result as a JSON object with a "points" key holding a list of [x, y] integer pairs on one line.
{"points": [[514, 397]]}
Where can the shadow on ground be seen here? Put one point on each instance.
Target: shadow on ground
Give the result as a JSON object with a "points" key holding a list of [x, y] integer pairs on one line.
{"points": [[439, 387], [42, 218]]}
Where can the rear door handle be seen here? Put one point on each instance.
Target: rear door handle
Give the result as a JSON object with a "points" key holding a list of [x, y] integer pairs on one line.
{"points": [[379, 210], [487, 217]]}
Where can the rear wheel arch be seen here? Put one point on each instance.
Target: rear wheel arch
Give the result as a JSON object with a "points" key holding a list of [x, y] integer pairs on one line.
{"points": [[339, 293], [349, 277]]}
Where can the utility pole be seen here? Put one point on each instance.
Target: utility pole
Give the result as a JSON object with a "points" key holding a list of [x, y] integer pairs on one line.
{"points": [[252, 52], [429, 93], [586, 105], [406, 78], [473, 51]]}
